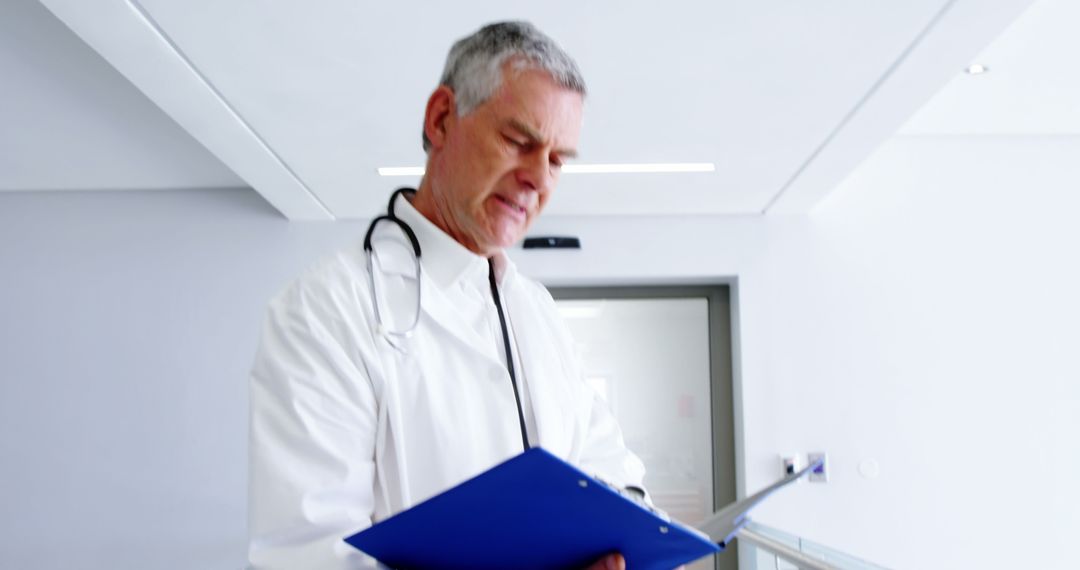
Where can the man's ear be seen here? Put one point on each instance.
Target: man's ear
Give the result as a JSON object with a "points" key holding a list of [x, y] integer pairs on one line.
{"points": [[439, 115]]}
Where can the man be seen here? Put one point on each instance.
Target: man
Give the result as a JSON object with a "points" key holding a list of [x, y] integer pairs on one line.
{"points": [[351, 422]]}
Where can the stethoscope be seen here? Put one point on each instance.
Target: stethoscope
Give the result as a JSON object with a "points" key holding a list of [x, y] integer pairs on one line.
{"points": [[397, 338], [370, 254]]}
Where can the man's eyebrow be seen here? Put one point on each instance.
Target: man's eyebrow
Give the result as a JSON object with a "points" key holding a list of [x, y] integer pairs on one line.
{"points": [[525, 130], [535, 137]]}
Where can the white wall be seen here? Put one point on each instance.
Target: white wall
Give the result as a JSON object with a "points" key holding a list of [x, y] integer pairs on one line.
{"points": [[926, 317], [128, 322]]}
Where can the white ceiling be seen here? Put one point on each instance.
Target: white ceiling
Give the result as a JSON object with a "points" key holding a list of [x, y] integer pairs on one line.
{"points": [[1033, 86], [69, 121], [304, 100]]}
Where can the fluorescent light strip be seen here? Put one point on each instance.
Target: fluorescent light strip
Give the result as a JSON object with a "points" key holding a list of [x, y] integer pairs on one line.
{"points": [[631, 168], [401, 171], [635, 168]]}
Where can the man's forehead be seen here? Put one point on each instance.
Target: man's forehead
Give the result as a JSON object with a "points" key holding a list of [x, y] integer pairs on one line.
{"points": [[564, 143], [541, 111]]}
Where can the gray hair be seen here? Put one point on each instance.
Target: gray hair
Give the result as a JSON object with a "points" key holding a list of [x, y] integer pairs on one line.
{"points": [[474, 65]]}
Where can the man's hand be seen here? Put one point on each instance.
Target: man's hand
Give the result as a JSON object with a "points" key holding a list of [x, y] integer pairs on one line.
{"points": [[614, 562], [609, 562]]}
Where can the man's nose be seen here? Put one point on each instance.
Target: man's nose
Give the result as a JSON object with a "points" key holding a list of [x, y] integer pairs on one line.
{"points": [[535, 172]]}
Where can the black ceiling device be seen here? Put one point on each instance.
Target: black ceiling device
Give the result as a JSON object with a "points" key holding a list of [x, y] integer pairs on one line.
{"points": [[552, 242]]}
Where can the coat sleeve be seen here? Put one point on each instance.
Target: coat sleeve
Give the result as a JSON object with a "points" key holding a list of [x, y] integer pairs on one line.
{"points": [[312, 437], [602, 451]]}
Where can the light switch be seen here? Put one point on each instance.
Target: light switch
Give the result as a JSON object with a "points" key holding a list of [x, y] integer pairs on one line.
{"points": [[819, 474]]}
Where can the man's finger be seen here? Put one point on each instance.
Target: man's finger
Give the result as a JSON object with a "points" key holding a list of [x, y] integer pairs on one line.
{"points": [[609, 562]]}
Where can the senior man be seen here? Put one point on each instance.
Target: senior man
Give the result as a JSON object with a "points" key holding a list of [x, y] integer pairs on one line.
{"points": [[352, 423]]}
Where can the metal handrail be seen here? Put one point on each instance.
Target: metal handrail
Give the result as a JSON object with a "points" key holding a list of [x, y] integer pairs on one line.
{"points": [[784, 551]]}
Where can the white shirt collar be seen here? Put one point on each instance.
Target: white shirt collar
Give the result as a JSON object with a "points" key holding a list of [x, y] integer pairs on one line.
{"points": [[443, 258]]}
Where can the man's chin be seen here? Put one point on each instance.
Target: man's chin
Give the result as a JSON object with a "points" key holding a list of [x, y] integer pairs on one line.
{"points": [[506, 238], [490, 247]]}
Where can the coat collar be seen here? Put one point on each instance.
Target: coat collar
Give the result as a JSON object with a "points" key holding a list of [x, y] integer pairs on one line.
{"points": [[443, 259], [445, 264]]}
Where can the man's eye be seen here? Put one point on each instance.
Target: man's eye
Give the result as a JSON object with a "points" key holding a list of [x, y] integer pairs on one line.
{"points": [[515, 142]]}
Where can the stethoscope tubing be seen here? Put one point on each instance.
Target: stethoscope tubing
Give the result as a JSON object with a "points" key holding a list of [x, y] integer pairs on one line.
{"points": [[389, 334], [391, 217]]}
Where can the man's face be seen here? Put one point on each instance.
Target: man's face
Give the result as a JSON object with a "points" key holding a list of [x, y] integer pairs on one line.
{"points": [[496, 167]]}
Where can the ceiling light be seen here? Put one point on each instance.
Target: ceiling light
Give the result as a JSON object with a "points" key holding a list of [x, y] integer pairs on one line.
{"points": [[401, 171], [639, 167], [976, 69], [627, 168]]}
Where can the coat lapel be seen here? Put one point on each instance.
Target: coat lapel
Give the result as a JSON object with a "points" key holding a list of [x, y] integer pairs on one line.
{"points": [[442, 312], [435, 305]]}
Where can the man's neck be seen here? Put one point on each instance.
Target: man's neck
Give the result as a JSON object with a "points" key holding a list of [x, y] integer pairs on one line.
{"points": [[426, 203]]}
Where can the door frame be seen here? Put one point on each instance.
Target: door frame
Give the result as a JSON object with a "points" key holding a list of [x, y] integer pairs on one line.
{"points": [[723, 385]]}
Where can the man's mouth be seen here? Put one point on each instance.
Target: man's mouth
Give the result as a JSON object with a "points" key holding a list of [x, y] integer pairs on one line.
{"points": [[513, 206]]}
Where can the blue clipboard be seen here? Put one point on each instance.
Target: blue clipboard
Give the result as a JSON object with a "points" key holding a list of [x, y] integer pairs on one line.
{"points": [[533, 511]]}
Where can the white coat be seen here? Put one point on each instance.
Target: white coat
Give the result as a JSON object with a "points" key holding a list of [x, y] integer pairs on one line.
{"points": [[347, 430]]}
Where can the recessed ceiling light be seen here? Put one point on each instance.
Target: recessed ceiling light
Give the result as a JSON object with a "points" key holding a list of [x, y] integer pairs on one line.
{"points": [[628, 168], [976, 69]]}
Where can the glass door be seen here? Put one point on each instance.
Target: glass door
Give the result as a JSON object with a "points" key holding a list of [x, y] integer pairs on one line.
{"points": [[661, 357]]}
